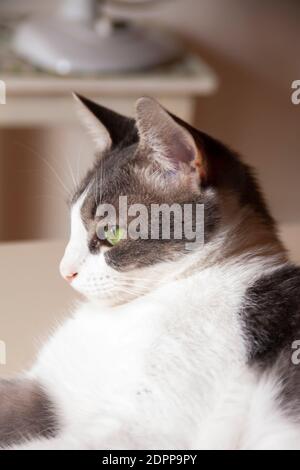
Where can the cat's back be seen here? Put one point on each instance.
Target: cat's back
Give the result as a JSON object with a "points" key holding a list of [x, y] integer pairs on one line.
{"points": [[271, 314], [165, 347]]}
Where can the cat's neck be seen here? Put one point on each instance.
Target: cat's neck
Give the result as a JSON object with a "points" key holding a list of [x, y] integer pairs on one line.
{"points": [[228, 279], [238, 244], [242, 266], [243, 244]]}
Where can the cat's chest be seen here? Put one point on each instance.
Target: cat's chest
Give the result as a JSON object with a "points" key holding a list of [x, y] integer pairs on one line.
{"points": [[149, 354]]}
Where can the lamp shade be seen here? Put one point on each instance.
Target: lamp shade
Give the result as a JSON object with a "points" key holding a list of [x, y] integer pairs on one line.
{"points": [[78, 39]]}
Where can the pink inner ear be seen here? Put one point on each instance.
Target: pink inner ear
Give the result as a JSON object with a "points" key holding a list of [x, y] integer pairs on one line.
{"points": [[200, 166], [168, 143], [181, 151]]}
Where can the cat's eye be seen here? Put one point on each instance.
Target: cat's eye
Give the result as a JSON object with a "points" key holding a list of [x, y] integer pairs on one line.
{"points": [[113, 235]]}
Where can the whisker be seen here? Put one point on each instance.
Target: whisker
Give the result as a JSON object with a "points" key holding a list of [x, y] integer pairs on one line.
{"points": [[136, 290], [101, 181], [131, 292], [129, 281], [48, 164], [78, 160], [139, 279], [95, 189], [72, 174]]}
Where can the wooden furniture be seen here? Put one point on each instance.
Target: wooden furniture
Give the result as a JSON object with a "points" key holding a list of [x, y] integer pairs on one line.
{"points": [[33, 300], [37, 99]]}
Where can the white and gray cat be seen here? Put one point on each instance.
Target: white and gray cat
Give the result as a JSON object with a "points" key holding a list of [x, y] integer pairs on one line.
{"points": [[175, 348]]}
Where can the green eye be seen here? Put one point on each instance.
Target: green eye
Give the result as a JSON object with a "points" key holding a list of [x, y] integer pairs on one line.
{"points": [[114, 235]]}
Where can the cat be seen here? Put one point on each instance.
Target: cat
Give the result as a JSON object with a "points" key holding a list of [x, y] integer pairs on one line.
{"points": [[175, 348]]}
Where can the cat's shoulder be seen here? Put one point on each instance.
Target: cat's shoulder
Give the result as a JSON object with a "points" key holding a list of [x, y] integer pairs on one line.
{"points": [[271, 312]]}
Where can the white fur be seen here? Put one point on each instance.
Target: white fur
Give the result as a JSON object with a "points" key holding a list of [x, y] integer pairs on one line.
{"points": [[166, 370], [97, 280], [77, 248]]}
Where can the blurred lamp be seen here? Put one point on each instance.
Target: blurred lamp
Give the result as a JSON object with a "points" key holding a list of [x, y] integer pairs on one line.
{"points": [[76, 39]]}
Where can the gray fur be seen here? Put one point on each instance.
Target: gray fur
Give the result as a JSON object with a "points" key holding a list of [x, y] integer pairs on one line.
{"points": [[271, 323], [288, 378], [114, 176], [271, 313], [25, 412], [121, 172], [270, 316]]}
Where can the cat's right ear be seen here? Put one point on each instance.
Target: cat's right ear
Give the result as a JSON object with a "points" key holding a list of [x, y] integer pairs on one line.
{"points": [[107, 128]]}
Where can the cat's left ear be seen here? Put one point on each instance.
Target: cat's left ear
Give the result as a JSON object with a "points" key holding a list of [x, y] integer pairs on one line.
{"points": [[107, 128], [168, 143]]}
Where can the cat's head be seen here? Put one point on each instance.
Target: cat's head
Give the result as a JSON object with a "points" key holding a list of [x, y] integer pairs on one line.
{"points": [[136, 219]]}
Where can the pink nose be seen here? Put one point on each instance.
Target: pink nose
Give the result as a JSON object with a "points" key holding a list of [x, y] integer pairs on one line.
{"points": [[70, 277]]}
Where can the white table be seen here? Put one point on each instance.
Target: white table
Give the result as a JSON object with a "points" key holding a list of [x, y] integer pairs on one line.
{"points": [[38, 99], [33, 299], [39, 120]]}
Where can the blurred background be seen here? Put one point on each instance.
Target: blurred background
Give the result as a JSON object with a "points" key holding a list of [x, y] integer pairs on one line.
{"points": [[224, 65]]}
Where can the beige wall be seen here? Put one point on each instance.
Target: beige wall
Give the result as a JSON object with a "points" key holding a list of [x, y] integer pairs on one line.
{"points": [[254, 47], [38, 172]]}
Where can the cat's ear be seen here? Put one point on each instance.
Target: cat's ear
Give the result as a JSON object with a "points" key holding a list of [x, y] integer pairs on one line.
{"points": [[107, 128], [166, 141]]}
